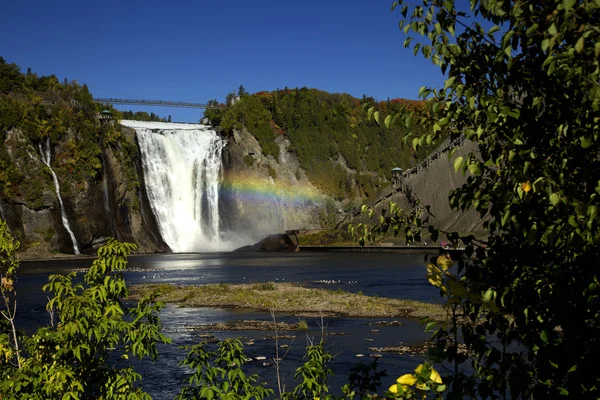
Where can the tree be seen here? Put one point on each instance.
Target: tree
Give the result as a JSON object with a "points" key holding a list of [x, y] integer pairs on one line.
{"points": [[84, 351], [230, 99], [242, 92], [526, 93]]}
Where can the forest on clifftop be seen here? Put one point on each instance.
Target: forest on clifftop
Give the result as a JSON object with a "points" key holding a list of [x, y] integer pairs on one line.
{"points": [[330, 133]]}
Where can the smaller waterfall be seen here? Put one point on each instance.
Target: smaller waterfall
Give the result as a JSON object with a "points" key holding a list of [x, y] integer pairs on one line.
{"points": [[46, 157], [107, 198]]}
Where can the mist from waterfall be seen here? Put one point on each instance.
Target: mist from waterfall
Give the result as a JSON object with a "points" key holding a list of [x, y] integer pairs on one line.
{"points": [[182, 172], [46, 155]]}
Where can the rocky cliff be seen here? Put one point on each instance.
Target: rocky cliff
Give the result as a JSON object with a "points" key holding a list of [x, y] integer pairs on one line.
{"points": [[111, 203], [263, 195]]}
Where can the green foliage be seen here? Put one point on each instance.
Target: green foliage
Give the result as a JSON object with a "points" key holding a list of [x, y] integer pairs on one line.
{"points": [[219, 375], [248, 160], [84, 353], [314, 373], [364, 381], [328, 132], [9, 263], [8, 251], [526, 93], [250, 113], [327, 217], [142, 116], [272, 172], [264, 286], [302, 325], [40, 108], [214, 112]]}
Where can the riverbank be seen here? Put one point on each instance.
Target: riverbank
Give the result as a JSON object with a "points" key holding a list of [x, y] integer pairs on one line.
{"points": [[292, 299]]}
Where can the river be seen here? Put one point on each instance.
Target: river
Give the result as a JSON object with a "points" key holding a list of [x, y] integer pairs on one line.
{"points": [[384, 275]]}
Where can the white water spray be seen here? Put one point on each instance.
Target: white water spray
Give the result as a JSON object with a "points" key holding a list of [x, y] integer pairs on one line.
{"points": [[182, 171], [46, 158]]}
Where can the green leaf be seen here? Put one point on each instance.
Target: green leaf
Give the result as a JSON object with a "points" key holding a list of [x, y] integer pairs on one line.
{"points": [[458, 162], [376, 117], [532, 29], [493, 30], [552, 30], [474, 168], [586, 141], [505, 218], [415, 143], [554, 199], [545, 44], [568, 4], [387, 121], [545, 336], [449, 82], [579, 45]]}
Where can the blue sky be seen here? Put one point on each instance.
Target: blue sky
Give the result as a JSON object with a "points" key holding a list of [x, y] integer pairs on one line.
{"points": [[200, 50]]}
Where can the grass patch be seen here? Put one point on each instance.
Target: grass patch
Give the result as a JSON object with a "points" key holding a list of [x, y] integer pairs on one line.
{"points": [[302, 325], [264, 286], [291, 299]]}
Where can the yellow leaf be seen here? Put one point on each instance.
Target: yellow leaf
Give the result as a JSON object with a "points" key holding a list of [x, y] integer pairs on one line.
{"points": [[407, 379], [526, 186], [393, 389], [432, 269], [444, 262], [435, 376]]}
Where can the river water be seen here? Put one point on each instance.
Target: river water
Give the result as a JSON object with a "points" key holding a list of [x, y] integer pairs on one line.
{"points": [[384, 275]]}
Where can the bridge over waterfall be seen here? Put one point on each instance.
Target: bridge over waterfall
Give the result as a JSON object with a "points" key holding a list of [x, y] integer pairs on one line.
{"points": [[154, 103]]}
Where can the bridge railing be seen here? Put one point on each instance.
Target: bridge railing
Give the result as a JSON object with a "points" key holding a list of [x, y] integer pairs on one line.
{"points": [[158, 103]]}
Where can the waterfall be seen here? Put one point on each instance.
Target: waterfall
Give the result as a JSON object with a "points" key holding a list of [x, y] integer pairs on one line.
{"points": [[46, 158], [182, 172]]}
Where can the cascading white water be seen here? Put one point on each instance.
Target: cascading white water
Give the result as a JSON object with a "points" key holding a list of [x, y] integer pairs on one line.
{"points": [[182, 173], [46, 158]]}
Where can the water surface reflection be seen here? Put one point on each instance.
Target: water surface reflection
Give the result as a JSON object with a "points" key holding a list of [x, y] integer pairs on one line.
{"points": [[384, 275]]}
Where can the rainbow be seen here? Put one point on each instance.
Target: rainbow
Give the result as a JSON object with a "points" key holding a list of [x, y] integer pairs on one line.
{"points": [[253, 187]]}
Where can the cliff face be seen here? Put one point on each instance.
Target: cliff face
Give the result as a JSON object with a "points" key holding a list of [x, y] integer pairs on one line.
{"points": [[262, 195], [259, 195], [110, 204]]}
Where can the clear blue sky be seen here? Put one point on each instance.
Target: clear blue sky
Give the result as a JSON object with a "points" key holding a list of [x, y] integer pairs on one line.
{"points": [[199, 50]]}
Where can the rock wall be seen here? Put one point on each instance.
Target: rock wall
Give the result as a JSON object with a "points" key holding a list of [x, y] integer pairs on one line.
{"points": [[112, 204], [262, 195]]}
